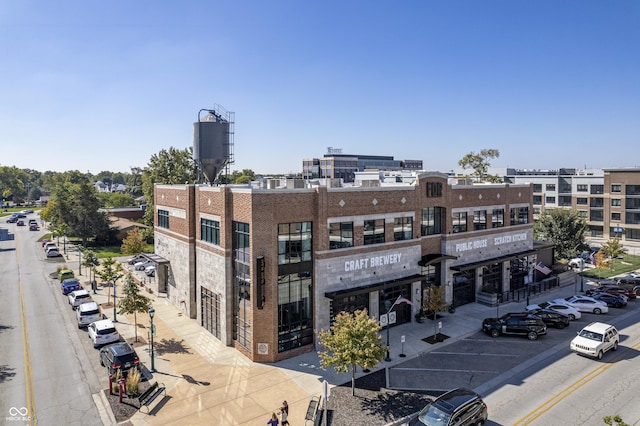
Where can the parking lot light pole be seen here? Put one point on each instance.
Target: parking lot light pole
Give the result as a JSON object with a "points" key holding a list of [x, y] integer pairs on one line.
{"points": [[79, 261], [581, 276], [152, 312]]}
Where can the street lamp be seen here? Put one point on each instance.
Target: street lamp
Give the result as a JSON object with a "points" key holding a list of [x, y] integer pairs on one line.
{"points": [[152, 312], [79, 261], [581, 276], [115, 278]]}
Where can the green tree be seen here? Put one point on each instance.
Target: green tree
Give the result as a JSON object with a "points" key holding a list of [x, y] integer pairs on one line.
{"points": [[613, 248], [132, 301], [134, 243], [480, 164], [109, 269], [352, 340], [565, 229], [173, 166], [115, 199]]}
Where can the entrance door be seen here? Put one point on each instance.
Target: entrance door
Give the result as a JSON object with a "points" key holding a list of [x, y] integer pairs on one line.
{"points": [[464, 288], [402, 311]]}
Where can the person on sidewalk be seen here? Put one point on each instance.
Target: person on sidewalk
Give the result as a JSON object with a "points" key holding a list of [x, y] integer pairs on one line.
{"points": [[273, 421], [284, 413]]}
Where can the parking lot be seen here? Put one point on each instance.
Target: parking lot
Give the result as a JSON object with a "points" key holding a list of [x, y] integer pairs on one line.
{"points": [[478, 358]]}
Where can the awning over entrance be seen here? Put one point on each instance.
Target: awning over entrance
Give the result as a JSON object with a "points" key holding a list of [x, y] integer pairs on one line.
{"points": [[373, 287], [154, 257], [493, 260], [431, 258]]}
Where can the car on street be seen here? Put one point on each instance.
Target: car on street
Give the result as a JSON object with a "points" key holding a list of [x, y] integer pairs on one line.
{"points": [[563, 308], [77, 297], [586, 304], [102, 332], [26, 211], [20, 222], [87, 313], [595, 339], [521, 323], [48, 245], [69, 285], [34, 227], [119, 356], [12, 219], [140, 266], [459, 407], [612, 300], [552, 318]]}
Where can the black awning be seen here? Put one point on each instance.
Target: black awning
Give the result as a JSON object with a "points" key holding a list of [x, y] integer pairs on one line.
{"points": [[373, 287], [431, 258], [473, 265]]}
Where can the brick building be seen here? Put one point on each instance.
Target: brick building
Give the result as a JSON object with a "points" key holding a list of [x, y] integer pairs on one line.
{"points": [[261, 266]]}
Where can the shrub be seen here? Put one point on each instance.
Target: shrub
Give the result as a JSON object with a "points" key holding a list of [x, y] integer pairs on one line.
{"points": [[133, 382]]}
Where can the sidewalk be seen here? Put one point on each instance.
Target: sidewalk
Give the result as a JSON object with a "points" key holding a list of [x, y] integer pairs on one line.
{"points": [[210, 383]]}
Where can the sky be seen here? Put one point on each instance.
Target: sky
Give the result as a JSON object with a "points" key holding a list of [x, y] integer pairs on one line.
{"points": [[95, 86]]}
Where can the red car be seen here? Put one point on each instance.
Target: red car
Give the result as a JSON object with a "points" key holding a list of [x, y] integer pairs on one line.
{"points": [[614, 289], [45, 241]]}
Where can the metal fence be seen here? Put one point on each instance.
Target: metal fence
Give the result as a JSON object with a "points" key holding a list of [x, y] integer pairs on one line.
{"points": [[530, 290]]}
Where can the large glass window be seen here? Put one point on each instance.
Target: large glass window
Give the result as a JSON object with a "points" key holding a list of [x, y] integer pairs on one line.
{"points": [[373, 231], [632, 218], [479, 220], [241, 262], [210, 311], [537, 199], [210, 231], [163, 219], [519, 215], [459, 222], [632, 189], [497, 218], [431, 221], [402, 228], [294, 242], [295, 285], [597, 189], [537, 187], [596, 215], [340, 235]]}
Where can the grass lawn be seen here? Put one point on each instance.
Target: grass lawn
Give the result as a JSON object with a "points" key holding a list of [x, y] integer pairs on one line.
{"points": [[618, 266], [101, 252]]}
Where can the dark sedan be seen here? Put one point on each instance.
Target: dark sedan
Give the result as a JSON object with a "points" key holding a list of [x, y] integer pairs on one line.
{"points": [[552, 318], [611, 300]]}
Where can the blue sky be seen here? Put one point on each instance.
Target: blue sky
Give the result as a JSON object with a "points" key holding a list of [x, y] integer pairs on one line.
{"points": [[104, 85]]}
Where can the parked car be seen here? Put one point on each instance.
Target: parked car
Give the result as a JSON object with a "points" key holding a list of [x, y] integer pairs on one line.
{"points": [[563, 308], [522, 323], [552, 318], [12, 219], [137, 258], [87, 313], [595, 339], [586, 304], [45, 241], [53, 253], [20, 222], [77, 297], [69, 285], [102, 332], [460, 407], [150, 271], [613, 289], [25, 212], [140, 266], [34, 227], [612, 300], [48, 245], [119, 356], [63, 274], [577, 262]]}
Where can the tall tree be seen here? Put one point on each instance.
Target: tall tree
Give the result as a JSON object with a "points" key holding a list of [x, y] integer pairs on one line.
{"points": [[173, 166], [613, 248], [480, 164], [565, 229], [132, 301], [134, 243], [352, 340]]}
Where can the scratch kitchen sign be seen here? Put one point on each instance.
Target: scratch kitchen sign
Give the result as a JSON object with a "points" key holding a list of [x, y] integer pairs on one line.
{"points": [[498, 240]]}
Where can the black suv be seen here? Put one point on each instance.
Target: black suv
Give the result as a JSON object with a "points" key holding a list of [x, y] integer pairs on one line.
{"points": [[460, 407], [524, 323], [119, 356]]}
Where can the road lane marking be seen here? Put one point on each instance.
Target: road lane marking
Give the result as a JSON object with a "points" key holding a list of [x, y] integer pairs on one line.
{"points": [[26, 352], [567, 391]]}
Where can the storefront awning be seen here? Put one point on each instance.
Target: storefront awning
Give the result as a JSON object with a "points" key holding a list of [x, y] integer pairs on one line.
{"points": [[373, 287], [432, 258], [473, 265]]}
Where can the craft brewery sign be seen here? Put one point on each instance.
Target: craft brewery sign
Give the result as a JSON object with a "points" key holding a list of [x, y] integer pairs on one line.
{"points": [[372, 262]]}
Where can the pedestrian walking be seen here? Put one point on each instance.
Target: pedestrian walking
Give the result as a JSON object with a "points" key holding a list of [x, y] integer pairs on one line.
{"points": [[284, 413], [273, 421]]}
